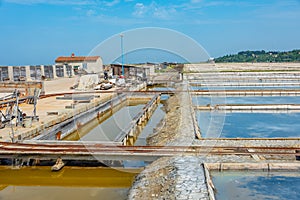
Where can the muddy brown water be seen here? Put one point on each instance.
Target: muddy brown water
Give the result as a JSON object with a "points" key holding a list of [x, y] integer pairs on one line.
{"points": [[70, 183]]}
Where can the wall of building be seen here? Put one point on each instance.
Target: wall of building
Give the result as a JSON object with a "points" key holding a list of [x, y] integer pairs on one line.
{"points": [[37, 72], [88, 66], [95, 67], [132, 72]]}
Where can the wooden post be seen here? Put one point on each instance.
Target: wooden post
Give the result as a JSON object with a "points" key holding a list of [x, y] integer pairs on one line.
{"points": [[58, 135]]}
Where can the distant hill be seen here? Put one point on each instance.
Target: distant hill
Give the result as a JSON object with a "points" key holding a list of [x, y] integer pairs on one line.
{"points": [[261, 56]]}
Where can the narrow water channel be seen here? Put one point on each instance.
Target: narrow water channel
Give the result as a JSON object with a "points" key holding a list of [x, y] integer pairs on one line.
{"points": [[109, 126], [148, 129]]}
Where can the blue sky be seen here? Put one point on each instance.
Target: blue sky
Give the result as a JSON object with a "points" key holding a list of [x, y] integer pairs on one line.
{"points": [[38, 31]]}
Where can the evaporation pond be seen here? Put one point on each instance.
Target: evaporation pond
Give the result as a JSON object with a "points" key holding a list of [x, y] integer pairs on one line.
{"points": [[109, 129], [70, 183], [214, 100], [246, 185], [245, 87], [248, 125]]}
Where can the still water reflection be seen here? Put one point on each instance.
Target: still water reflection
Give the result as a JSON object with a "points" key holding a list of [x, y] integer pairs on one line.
{"points": [[107, 128], [256, 185], [157, 116], [249, 125]]}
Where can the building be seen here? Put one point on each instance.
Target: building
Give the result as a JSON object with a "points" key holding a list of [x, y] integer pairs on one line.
{"points": [[90, 64], [150, 66], [64, 67], [131, 72]]}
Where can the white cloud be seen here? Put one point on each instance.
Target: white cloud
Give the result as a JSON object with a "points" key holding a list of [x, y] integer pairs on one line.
{"points": [[153, 10], [140, 10], [114, 20], [111, 3], [163, 13]]}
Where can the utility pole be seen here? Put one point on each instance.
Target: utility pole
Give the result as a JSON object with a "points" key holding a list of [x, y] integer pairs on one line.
{"points": [[122, 50]]}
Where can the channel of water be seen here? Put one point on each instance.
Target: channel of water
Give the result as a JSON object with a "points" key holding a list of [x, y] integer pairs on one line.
{"points": [[107, 127]]}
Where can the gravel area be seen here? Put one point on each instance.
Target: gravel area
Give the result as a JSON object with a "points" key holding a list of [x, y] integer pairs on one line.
{"points": [[167, 130], [171, 178], [190, 179], [157, 181]]}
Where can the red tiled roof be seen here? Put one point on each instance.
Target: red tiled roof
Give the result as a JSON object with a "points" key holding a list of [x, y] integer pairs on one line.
{"points": [[76, 59]]}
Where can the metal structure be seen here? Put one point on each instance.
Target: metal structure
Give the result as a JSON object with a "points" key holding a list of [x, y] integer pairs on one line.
{"points": [[96, 151], [122, 50], [13, 115]]}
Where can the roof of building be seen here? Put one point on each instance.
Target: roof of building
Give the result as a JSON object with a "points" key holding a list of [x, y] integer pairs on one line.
{"points": [[63, 59], [120, 65]]}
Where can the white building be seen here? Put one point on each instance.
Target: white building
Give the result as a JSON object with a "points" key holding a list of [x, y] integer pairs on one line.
{"points": [[91, 64]]}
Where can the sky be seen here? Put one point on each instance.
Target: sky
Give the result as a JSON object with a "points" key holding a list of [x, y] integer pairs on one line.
{"points": [[38, 31]]}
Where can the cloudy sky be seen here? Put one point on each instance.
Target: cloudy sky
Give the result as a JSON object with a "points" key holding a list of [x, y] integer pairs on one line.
{"points": [[37, 31]]}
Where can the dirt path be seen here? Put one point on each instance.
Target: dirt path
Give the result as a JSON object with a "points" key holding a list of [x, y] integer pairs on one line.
{"points": [[177, 128]]}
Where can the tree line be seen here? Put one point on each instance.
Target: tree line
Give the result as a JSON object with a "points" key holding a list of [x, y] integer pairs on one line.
{"points": [[261, 56]]}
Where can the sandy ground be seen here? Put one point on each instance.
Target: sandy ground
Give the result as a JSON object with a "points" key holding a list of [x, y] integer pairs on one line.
{"points": [[59, 85]]}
